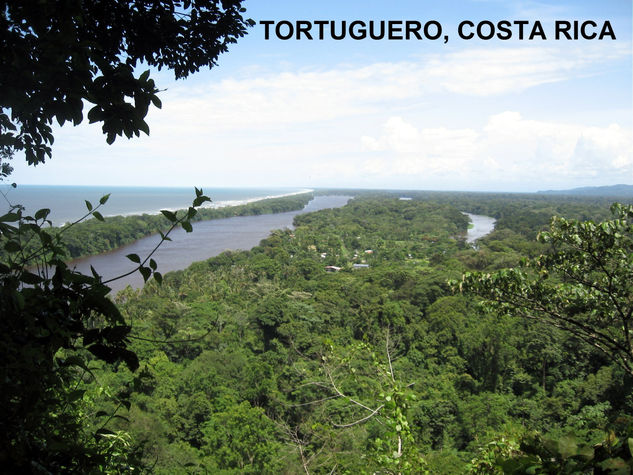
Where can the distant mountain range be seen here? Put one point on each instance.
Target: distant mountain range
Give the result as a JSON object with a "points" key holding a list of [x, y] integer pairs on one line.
{"points": [[613, 190]]}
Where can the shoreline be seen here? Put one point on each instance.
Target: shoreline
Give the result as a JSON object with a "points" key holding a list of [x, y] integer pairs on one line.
{"points": [[212, 205], [66, 202], [201, 217], [210, 238]]}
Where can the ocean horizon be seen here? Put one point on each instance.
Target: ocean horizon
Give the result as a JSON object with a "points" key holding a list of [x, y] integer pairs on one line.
{"points": [[67, 202]]}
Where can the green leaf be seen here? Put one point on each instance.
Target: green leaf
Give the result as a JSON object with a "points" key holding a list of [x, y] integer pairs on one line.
{"points": [[200, 199], [169, 215], [12, 246], [156, 101], [104, 199], [143, 127], [134, 258], [567, 446], [42, 213], [103, 432], [164, 237], [88, 205], [520, 464], [158, 277], [31, 279], [614, 465], [9, 218], [97, 215], [116, 333], [95, 115], [112, 354], [75, 395], [146, 272], [76, 361], [186, 225], [152, 264]]}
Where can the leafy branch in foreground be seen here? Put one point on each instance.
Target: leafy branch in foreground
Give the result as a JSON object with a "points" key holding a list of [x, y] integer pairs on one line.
{"points": [[394, 449], [22, 250], [583, 286], [57, 57], [185, 221], [531, 452], [93, 237], [54, 319]]}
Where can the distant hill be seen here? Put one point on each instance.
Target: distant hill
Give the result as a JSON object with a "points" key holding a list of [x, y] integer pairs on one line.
{"points": [[613, 190]]}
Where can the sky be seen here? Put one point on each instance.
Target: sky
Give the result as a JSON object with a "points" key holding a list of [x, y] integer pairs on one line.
{"points": [[466, 114]]}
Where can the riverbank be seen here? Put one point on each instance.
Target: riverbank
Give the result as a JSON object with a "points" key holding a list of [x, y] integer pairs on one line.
{"points": [[481, 225], [67, 202], [93, 237], [232, 203], [209, 238]]}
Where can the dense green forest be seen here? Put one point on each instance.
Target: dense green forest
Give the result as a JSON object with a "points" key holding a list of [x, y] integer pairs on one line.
{"points": [[369, 339], [340, 347]]}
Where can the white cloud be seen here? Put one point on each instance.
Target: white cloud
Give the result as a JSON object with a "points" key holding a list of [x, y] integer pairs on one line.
{"points": [[424, 151], [322, 126], [310, 96], [508, 149], [488, 72]]}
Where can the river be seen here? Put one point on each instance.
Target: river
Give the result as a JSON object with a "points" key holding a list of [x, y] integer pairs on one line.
{"points": [[482, 225], [208, 239]]}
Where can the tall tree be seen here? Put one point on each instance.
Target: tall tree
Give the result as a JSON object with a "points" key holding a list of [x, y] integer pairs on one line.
{"points": [[583, 285], [58, 55]]}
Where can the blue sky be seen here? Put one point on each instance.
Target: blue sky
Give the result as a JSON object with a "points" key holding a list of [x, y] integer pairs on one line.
{"points": [[466, 115]]}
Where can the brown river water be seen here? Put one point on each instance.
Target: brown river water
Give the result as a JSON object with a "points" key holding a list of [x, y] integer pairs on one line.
{"points": [[211, 238], [208, 239]]}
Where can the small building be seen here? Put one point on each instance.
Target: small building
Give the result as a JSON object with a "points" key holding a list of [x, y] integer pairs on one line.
{"points": [[360, 266], [332, 269]]}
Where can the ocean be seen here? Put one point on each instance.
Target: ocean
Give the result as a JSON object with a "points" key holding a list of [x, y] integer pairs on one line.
{"points": [[67, 202]]}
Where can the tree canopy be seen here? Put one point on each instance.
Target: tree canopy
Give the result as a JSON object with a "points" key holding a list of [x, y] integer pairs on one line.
{"points": [[55, 57], [378, 369], [58, 55], [582, 286]]}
